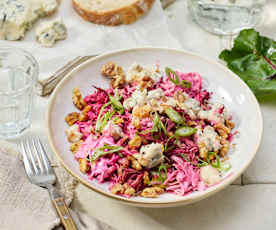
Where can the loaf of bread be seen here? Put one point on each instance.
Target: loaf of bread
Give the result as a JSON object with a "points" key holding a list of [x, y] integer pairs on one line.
{"points": [[112, 12]]}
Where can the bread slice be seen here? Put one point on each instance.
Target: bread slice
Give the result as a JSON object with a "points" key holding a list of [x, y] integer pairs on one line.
{"points": [[112, 12]]}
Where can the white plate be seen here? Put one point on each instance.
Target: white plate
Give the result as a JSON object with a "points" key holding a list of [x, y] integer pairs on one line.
{"points": [[227, 88]]}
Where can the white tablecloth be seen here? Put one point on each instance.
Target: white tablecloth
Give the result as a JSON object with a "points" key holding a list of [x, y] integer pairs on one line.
{"points": [[250, 203]]}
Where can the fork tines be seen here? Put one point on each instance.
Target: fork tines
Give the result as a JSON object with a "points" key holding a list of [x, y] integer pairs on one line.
{"points": [[35, 158]]}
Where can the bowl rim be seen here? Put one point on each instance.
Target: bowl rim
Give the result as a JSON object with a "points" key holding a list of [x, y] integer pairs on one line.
{"points": [[170, 203]]}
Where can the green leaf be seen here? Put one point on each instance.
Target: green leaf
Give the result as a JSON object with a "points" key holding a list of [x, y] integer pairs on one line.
{"points": [[253, 59], [106, 149]]}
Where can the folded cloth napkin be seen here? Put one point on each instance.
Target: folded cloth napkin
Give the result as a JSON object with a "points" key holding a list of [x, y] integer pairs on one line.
{"points": [[26, 206]]}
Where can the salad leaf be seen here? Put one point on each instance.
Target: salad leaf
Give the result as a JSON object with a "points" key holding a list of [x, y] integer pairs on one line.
{"points": [[253, 59], [104, 150]]}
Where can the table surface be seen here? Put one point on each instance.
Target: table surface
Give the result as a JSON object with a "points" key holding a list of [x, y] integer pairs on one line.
{"points": [[249, 202]]}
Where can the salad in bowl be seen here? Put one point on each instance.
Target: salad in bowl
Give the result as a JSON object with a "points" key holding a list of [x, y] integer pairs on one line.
{"points": [[151, 132]]}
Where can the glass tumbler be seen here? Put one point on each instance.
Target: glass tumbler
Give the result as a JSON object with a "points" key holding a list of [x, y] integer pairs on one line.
{"points": [[18, 74], [226, 17]]}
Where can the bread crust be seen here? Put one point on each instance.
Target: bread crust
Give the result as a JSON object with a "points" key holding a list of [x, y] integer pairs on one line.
{"points": [[124, 15]]}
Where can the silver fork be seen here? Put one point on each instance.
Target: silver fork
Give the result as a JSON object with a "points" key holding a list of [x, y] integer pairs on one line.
{"points": [[41, 173]]}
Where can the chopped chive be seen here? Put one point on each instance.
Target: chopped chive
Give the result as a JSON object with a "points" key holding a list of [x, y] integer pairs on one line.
{"points": [[101, 151], [162, 176], [158, 126], [116, 104], [99, 118], [166, 145]]}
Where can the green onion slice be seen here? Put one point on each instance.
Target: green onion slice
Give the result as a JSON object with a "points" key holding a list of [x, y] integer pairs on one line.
{"points": [[175, 79], [174, 116], [185, 131]]}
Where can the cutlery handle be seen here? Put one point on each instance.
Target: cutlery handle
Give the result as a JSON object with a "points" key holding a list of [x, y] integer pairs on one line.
{"points": [[64, 214]]}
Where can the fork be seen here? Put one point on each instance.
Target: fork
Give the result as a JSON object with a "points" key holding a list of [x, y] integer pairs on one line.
{"points": [[41, 173]]}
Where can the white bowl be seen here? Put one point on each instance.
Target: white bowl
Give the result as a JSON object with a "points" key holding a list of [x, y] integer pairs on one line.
{"points": [[227, 88]]}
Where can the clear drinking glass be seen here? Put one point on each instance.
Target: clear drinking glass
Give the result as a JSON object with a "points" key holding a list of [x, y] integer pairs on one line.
{"points": [[18, 74], [226, 17]]}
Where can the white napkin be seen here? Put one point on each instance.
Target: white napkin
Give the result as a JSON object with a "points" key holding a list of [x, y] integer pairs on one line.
{"points": [[85, 38], [26, 206]]}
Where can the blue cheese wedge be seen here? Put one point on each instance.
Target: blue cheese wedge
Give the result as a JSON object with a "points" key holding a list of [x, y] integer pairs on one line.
{"points": [[49, 32], [18, 16]]}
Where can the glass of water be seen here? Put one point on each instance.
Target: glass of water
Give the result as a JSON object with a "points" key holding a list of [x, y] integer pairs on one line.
{"points": [[18, 74], [226, 17]]}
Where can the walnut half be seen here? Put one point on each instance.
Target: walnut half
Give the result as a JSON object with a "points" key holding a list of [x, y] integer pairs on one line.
{"points": [[111, 69], [84, 166], [123, 189], [222, 130], [152, 192], [84, 113], [135, 142], [77, 99], [74, 147], [118, 81], [72, 118], [134, 163], [203, 150], [115, 72], [225, 147], [141, 111], [145, 83]]}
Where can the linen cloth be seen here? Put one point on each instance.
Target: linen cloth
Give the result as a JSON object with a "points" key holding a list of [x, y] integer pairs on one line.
{"points": [[26, 206]]}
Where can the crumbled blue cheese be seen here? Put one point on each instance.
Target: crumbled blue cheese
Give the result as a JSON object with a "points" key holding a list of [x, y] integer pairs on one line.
{"points": [[150, 155], [18, 16], [137, 98], [190, 106], [171, 102], [155, 94], [136, 72], [209, 175], [114, 130], [209, 137], [48, 33], [214, 114]]}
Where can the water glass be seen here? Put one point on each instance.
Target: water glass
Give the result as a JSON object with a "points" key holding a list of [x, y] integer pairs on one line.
{"points": [[226, 17], [18, 74]]}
